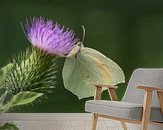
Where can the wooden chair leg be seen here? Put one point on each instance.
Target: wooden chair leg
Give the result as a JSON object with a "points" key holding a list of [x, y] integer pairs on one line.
{"points": [[124, 125], [94, 122], [160, 98], [146, 110], [114, 97], [144, 126]]}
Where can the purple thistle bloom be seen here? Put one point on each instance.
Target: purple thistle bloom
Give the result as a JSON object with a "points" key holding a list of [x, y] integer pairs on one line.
{"points": [[49, 37]]}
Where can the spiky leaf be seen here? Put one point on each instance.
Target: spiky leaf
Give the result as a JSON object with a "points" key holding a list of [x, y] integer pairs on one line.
{"points": [[20, 98], [4, 72]]}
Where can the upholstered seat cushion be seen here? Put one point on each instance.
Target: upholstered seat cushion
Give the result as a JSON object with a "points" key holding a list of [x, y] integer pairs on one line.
{"points": [[121, 109]]}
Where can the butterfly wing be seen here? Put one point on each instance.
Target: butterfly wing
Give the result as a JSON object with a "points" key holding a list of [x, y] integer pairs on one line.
{"points": [[90, 66]]}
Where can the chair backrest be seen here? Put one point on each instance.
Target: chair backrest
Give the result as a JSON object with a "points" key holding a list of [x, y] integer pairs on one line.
{"points": [[146, 77]]}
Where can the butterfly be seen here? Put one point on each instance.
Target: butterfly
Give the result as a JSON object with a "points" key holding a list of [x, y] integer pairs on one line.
{"points": [[84, 66]]}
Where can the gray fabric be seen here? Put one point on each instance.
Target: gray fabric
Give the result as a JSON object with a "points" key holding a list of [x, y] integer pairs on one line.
{"points": [[121, 109], [147, 77]]}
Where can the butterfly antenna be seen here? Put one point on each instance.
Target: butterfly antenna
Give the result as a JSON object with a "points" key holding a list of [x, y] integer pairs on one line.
{"points": [[83, 34]]}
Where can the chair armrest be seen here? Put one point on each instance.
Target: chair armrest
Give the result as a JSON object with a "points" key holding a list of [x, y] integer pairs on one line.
{"points": [[150, 88], [111, 90], [103, 85]]}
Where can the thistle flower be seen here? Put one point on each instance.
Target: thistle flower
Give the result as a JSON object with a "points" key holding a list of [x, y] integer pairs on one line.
{"points": [[49, 37], [34, 70]]}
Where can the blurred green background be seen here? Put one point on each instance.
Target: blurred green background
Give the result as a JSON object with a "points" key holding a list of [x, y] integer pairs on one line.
{"points": [[129, 32]]}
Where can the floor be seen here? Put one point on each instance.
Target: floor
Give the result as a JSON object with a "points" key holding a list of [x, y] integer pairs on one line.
{"points": [[58, 121]]}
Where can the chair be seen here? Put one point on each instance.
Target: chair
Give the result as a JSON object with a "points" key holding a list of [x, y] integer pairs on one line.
{"points": [[141, 104]]}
